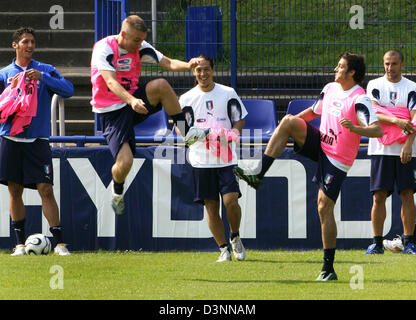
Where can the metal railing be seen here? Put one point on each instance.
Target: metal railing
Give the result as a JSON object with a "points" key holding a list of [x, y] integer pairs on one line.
{"points": [[284, 49], [273, 49], [57, 106], [108, 16]]}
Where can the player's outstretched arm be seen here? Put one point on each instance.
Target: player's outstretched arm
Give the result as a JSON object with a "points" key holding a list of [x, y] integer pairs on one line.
{"points": [[178, 65]]}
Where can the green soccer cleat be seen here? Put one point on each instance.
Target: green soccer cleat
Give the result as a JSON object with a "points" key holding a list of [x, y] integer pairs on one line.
{"points": [[327, 276], [246, 174], [194, 134]]}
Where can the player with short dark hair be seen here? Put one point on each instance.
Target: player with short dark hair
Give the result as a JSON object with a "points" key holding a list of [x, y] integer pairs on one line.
{"points": [[26, 158], [122, 101], [356, 63], [346, 115], [393, 157], [217, 108]]}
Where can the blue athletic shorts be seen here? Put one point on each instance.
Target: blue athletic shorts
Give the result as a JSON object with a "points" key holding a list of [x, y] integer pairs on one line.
{"points": [[118, 126], [328, 177], [25, 163], [388, 171], [312, 147], [210, 182]]}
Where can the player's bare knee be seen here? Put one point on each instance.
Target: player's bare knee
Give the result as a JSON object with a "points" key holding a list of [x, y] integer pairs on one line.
{"points": [[380, 197], [325, 207], [406, 196], [45, 191], [15, 191], [288, 122], [124, 164], [158, 87], [124, 159], [231, 203]]}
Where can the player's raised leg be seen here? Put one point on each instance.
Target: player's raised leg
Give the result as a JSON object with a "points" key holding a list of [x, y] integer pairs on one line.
{"points": [[160, 91], [290, 127]]}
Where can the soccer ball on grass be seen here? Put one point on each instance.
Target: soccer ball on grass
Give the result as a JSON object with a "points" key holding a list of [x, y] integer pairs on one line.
{"points": [[37, 244]]}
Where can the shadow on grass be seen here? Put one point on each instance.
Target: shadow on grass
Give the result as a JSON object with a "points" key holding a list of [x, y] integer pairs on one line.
{"points": [[283, 281], [294, 281], [309, 261]]}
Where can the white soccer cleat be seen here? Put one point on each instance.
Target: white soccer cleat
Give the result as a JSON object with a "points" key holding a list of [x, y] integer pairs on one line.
{"points": [[19, 250], [194, 134], [117, 203], [225, 255], [395, 245], [61, 250], [238, 249]]}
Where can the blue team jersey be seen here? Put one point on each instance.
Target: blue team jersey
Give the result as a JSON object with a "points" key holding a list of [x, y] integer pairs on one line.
{"points": [[50, 82]]}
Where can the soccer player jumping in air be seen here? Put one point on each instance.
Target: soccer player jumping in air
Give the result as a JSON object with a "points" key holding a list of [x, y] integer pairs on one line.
{"points": [[122, 102]]}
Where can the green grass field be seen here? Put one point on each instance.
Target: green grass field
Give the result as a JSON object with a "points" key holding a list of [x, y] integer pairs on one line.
{"points": [[265, 275]]}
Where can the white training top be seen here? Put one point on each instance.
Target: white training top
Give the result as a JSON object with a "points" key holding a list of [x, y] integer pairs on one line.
{"points": [[219, 108], [390, 94]]}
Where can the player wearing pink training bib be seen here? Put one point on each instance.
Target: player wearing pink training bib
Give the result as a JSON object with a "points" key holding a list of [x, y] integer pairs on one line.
{"points": [[122, 100], [346, 115]]}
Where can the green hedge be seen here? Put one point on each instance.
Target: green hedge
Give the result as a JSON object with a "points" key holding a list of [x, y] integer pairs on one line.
{"points": [[301, 35]]}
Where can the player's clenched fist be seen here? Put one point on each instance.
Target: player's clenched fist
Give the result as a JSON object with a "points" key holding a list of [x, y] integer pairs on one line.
{"points": [[138, 106]]}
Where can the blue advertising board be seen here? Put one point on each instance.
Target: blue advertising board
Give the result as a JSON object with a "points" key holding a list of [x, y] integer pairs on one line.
{"points": [[161, 215]]}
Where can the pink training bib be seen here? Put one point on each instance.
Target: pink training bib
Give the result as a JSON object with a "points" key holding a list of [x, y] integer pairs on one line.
{"points": [[337, 141], [391, 132], [218, 143], [128, 68], [20, 101]]}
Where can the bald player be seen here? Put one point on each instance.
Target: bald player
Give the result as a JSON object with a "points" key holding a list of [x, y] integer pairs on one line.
{"points": [[122, 101], [393, 164]]}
